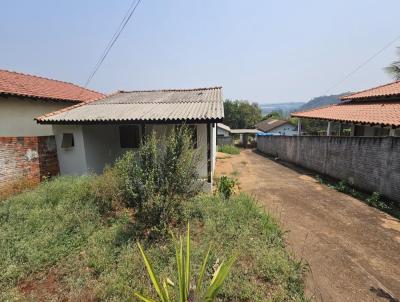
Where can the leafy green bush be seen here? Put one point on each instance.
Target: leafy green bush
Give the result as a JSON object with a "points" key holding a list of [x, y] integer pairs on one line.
{"points": [[226, 186], [229, 149], [107, 190], [159, 178], [375, 200]]}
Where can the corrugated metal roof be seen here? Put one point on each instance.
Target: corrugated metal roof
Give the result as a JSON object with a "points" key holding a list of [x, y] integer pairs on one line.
{"points": [[20, 84], [155, 105], [224, 127], [376, 113], [270, 124]]}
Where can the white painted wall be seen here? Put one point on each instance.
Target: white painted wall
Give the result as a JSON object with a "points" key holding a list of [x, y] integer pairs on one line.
{"points": [[72, 160], [222, 132], [286, 129], [102, 146], [99, 145], [17, 116]]}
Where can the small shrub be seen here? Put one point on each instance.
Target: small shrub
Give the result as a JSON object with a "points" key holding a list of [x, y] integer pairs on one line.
{"points": [[229, 149], [342, 186], [158, 178], [375, 200], [226, 186], [107, 189]]}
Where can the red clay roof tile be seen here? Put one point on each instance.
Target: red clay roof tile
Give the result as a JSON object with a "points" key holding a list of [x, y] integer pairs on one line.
{"points": [[391, 89], [376, 113], [15, 83]]}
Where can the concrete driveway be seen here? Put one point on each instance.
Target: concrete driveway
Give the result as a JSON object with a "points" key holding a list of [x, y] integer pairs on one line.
{"points": [[353, 250]]}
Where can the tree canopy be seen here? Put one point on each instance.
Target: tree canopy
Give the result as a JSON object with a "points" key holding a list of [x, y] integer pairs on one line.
{"points": [[394, 68], [241, 114]]}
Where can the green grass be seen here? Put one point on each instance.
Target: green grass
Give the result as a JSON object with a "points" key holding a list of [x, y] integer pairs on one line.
{"points": [[229, 149], [55, 234]]}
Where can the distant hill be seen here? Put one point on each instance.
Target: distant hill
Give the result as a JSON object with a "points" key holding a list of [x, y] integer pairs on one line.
{"points": [[321, 101], [283, 108]]}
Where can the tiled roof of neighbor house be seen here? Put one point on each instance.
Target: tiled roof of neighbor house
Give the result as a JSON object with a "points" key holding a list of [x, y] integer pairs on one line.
{"points": [[154, 105], [14, 83], [387, 90], [375, 113], [270, 124]]}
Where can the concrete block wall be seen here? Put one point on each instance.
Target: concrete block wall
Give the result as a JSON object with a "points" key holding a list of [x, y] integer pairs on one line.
{"points": [[29, 158], [368, 163]]}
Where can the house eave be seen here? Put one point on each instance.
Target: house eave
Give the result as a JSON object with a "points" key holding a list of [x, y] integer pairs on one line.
{"points": [[124, 122]]}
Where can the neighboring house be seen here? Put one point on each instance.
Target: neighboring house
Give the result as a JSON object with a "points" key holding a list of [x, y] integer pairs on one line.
{"points": [[276, 126], [225, 135], [372, 112], [223, 130], [93, 134], [27, 150]]}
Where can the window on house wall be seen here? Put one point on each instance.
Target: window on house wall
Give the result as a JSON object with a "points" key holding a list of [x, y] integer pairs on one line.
{"points": [[67, 140], [129, 136]]}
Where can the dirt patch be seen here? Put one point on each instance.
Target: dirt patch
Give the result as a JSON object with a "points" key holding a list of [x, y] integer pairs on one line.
{"points": [[352, 249]]}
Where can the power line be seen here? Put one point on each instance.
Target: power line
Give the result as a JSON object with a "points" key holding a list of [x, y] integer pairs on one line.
{"points": [[361, 65], [114, 39]]}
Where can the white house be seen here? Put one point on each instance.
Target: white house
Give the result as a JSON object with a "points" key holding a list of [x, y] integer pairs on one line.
{"points": [[276, 126], [93, 134]]}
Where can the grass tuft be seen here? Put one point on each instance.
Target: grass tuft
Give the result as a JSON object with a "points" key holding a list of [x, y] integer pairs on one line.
{"points": [[229, 149]]}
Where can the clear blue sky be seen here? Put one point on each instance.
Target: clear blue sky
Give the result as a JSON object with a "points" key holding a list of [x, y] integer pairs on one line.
{"points": [[264, 51]]}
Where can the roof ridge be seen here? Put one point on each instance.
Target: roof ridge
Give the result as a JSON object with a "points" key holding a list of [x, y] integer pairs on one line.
{"points": [[316, 108], [369, 89], [49, 79], [171, 90]]}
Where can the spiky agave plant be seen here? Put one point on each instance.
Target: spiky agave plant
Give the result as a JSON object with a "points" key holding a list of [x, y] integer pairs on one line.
{"points": [[186, 292]]}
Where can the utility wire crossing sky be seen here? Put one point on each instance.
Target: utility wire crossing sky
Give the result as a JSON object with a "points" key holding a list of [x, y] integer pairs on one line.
{"points": [[263, 51]]}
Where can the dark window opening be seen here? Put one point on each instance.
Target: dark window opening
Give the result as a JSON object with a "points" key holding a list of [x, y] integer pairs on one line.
{"points": [[129, 136], [67, 140]]}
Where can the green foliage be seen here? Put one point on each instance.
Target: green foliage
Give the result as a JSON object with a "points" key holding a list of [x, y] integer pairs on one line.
{"points": [[229, 149], [185, 290], [226, 186], [394, 68], [107, 190], [375, 200], [40, 227], [241, 114], [159, 178], [55, 234]]}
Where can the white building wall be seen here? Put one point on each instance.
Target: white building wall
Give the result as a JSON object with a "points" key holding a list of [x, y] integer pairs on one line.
{"points": [[102, 146], [286, 129], [17, 116], [72, 161], [96, 146], [222, 132]]}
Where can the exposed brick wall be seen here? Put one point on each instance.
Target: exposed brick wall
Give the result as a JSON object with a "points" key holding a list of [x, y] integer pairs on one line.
{"points": [[27, 158], [368, 163]]}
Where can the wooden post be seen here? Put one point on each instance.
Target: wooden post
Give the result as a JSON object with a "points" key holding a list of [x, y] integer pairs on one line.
{"points": [[340, 129], [329, 129], [299, 126], [392, 131]]}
